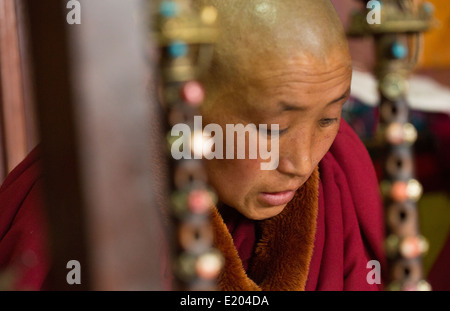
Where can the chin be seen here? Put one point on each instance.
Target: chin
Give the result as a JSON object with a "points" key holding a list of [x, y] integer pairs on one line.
{"points": [[262, 213]]}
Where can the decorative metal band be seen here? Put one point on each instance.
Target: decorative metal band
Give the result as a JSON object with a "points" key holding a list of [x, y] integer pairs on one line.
{"points": [[396, 41], [186, 36]]}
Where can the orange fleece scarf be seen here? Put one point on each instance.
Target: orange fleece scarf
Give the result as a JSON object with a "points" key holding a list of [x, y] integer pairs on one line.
{"points": [[284, 251]]}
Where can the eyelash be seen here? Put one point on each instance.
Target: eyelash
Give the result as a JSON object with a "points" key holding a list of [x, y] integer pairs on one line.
{"points": [[327, 122], [280, 132], [322, 123]]}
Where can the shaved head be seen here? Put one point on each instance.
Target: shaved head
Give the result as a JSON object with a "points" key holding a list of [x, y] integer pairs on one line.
{"points": [[278, 25], [252, 31]]}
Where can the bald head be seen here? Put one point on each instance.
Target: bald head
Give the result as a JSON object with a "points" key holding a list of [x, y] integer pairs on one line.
{"points": [[253, 31], [278, 25]]}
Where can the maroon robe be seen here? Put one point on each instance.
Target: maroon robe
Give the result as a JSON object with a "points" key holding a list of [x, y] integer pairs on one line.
{"points": [[23, 244]]}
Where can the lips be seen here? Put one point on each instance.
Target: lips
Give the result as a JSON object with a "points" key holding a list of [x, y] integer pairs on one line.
{"points": [[276, 198]]}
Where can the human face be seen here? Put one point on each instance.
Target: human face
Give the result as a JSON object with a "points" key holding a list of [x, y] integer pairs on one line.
{"points": [[304, 96]]}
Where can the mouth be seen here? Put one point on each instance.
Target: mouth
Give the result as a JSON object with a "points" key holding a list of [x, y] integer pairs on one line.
{"points": [[276, 198]]}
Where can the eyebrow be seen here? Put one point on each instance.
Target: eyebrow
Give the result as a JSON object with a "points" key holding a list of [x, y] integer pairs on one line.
{"points": [[289, 107]]}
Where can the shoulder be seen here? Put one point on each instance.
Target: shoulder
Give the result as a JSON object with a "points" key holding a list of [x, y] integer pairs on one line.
{"points": [[22, 224], [27, 172], [17, 187]]}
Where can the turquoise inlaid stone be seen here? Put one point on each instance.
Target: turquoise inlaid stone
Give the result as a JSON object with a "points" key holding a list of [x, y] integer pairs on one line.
{"points": [[428, 7], [168, 9], [178, 49], [399, 51]]}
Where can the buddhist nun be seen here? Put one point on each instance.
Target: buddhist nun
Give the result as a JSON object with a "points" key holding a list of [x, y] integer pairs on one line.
{"points": [[315, 222]]}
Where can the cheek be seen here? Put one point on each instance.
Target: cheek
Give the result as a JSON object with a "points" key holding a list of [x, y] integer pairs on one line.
{"points": [[233, 179]]}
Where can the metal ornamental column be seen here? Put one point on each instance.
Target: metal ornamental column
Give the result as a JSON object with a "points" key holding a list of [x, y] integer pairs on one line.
{"points": [[186, 35], [397, 40]]}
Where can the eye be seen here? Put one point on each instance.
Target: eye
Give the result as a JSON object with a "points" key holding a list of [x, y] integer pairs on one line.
{"points": [[327, 122], [271, 132]]}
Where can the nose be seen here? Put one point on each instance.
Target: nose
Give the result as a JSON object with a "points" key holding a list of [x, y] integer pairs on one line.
{"points": [[296, 156]]}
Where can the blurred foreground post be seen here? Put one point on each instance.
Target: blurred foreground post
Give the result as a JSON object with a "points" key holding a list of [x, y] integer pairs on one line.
{"points": [[99, 123], [17, 130]]}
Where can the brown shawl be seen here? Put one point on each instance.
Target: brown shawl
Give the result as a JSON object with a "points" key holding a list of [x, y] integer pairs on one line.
{"points": [[283, 253]]}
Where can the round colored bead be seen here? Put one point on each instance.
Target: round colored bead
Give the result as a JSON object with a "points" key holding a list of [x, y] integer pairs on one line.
{"points": [[419, 286], [178, 49], [399, 51], [209, 265], [424, 245], [394, 133], [414, 190], [199, 201], [423, 286], [209, 15], [198, 143], [399, 191], [428, 7], [397, 133], [193, 93], [410, 247], [409, 133], [168, 9]]}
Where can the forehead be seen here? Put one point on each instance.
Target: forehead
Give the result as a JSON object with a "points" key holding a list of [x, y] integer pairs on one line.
{"points": [[265, 81], [301, 73], [309, 67], [302, 80]]}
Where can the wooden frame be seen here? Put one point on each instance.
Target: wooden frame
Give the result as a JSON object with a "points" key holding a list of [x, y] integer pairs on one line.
{"points": [[17, 123], [102, 155]]}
